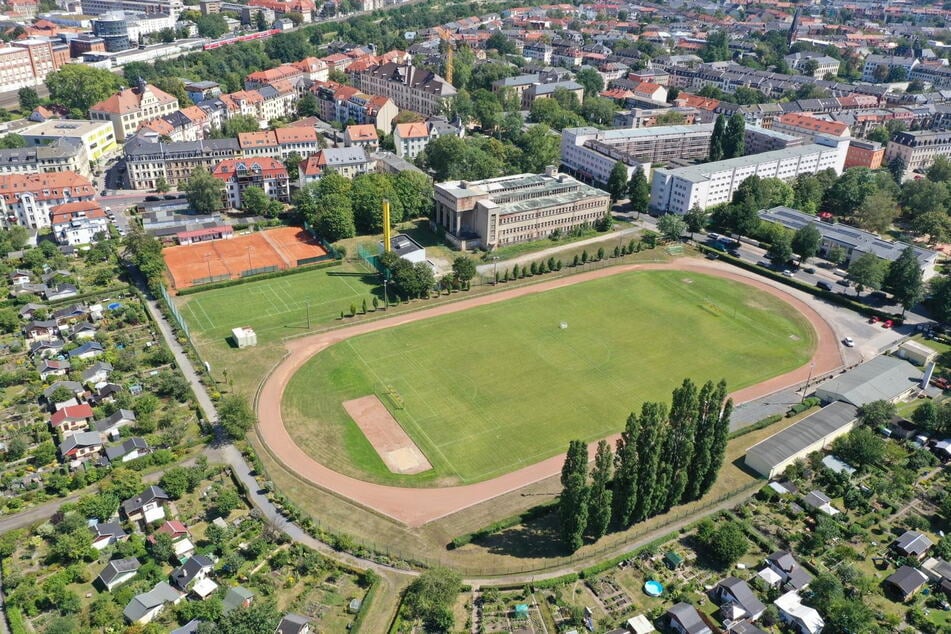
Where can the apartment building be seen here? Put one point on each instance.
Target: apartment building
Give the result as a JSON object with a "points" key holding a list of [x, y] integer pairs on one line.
{"points": [[78, 222], [512, 209], [150, 7], [97, 138], [410, 139], [59, 156], [678, 190], [279, 143], [346, 161], [591, 154], [148, 161], [239, 174], [823, 64], [26, 199], [130, 107], [809, 127], [16, 69], [864, 153], [917, 150], [871, 72], [364, 136], [410, 87]]}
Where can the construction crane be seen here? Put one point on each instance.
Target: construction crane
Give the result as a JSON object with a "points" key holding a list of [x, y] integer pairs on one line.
{"points": [[444, 36]]}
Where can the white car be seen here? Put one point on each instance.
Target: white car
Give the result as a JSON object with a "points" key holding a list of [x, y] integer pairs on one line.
{"points": [[788, 273], [848, 342]]}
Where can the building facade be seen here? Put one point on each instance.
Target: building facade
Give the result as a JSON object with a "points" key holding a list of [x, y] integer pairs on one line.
{"points": [[147, 161], [27, 199], [808, 127], [863, 153], [410, 87], [677, 190], [131, 107], [239, 174], [97, 138], [512, 209], [917, 150]]}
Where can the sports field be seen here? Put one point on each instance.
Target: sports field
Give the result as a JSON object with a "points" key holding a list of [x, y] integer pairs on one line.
{"points": [[494, 388], [277, 307]]}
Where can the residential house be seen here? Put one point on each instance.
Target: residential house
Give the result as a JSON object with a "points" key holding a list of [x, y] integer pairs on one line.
{"points": [[146, 507], [907, 581], [81, 446], [913, 544], [685, 619], [96, 373], [819, 501], [82, 331], [192, 626], [72, 419], [19, 278], [106, 393], [130, 107], [236, 597], [280, 143], [41, 330], [106, 534], [60, 291], [128, 450], [737, 601], [789, 571], [410, 87], [293, 624], [78, 222], [52, 367], [46, 349], [801, 618], [87, 350], [118, 572], [143, 608], [111, 424], [364, 136], [74, 388], [264, 172], [410, 139], [28, 310], [192, 572], [347, 161]]}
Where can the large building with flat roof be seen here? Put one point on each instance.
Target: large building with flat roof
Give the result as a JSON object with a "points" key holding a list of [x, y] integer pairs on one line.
{"points": [[97, 138], [677, 190], [852, 240], [500, 211], [883, 378], [770, 457]]}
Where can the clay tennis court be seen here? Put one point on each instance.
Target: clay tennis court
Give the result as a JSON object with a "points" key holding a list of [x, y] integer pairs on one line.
{"points": [[218, 260], [418, 506]]}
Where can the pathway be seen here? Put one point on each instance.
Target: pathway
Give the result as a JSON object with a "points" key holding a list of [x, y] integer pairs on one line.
{"points": [[544, 254]]}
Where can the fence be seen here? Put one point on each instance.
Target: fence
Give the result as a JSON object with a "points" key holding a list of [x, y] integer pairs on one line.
{"points": [[331, 251], [259, 270], [210, 279], [369, 255], [172, 308]]}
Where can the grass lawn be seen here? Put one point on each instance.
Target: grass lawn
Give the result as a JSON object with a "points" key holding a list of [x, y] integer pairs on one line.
{"points": [[499, 387], [278, 307]]}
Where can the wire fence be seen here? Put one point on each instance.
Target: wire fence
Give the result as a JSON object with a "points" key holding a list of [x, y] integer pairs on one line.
{"points": [[172, 308]]}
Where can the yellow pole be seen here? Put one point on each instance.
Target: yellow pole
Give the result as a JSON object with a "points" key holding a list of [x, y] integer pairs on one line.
{"points": [[387, 246]]}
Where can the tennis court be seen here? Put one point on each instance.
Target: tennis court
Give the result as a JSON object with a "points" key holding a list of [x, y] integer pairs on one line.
{"points": [[241, 256]]}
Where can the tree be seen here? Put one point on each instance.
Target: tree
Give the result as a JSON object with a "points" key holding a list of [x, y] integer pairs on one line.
{"points": [[598, 110], [940, 302], [204, 191], [430, 597], [638, 190], [716, 48], [260, 21], [599, 497], [696, 219], [860, 447], [717, 138], [626, 472], [671, 226], [780, 251], [573, 510], [226, 500], [464, 269], [161, 548], [28, 99], [940, 170], [935, 224], [877, 414], [254, 200], [501, 43], [235, 415], [43, 454], [591, 80], [335, 219], [77, 86], [415, 191], [903, 279], [540, 148], [212, 25], [240, 123], [617, 181], [924, 196], [260, 616], [652, 431], [727, 543], [867, 272], [307, 106], [175, 482], [877, 212], [805, 242], [734, 137], [367, 195]]}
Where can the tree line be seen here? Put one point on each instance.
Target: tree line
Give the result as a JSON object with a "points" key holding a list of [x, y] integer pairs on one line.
{"points": [[665, 456]]}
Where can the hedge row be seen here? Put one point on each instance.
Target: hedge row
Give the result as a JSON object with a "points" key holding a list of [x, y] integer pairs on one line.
{"points": [[15, 620], [365, 607], [256, 278], [508, 522], [799, 408], [833, 297], [758, 425]]}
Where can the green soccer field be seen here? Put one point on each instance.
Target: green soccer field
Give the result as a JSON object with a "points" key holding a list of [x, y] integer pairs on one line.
{"points": [[277, 307], [499, 387]]}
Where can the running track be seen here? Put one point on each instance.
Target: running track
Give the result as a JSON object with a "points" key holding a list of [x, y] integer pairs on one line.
{"points": [[418, 506]]}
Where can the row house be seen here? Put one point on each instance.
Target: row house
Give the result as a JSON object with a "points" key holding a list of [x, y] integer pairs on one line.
{"points": [[264, 172], [27, 199], [263, 78], [279, 143], [147, 161], [349, 105], [278, 101], [60, 155], [188, 124]]}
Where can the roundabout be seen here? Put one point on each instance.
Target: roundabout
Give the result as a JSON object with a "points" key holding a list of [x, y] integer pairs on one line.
{"points": [[415, 506]]}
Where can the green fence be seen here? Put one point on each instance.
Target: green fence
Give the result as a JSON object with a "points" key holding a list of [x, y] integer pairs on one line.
{"points": [[174, 310]]}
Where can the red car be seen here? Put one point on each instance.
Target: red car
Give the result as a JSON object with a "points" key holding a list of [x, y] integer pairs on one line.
{"points": [[887, 323]]}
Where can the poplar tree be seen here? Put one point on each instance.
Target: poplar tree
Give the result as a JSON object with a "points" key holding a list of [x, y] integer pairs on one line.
{"points": [[707, 416], [716, 140], [735, 137], [721, 434], [626, 471], [680, 441], [599, 499], [650, 439], [573, 503]]}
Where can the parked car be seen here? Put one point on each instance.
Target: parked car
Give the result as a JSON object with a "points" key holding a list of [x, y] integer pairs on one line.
{"points": [[873, 319], [887, 323], [788, 273], [809, 270], [848, 342], [824, 285]]}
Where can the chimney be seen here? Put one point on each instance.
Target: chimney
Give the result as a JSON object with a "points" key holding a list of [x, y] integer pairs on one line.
{"points": [[463, 184], [551, 171]]}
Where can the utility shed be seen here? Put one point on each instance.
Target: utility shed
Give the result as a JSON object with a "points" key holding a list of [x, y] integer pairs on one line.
{"points": [[881, 379], [916, 352], [244, 337], [770, 457]]}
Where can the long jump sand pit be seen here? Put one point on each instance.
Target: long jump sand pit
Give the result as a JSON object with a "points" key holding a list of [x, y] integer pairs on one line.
{"points": [[394, 446]]}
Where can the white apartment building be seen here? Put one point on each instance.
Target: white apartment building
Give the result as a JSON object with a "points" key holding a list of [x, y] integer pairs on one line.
{"points": [[825, 65], [151, 7], [917, 150], [678, 190], [27, 199]]}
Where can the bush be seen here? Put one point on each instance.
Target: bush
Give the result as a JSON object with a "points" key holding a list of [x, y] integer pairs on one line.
{"points": [[799, 408]]}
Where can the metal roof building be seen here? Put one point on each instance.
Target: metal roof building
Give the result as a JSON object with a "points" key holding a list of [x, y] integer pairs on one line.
{"points": [[881, 379], [771, 456]]}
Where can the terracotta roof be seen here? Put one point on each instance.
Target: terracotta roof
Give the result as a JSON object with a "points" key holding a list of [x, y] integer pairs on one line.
{"points": [[273, 74], [128, 100], [71, 412], [365, 132], [813, 124], [68, 211], [269, 167], [194, 114], [415, 130], [160, 125], [295, 135], [47, 186]]}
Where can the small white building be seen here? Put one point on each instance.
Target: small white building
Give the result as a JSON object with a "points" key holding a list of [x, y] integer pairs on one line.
{"points": [[244, 337], [916, 352], [407, 248]]}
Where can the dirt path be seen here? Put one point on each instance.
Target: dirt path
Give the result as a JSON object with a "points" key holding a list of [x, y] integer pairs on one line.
{"points": [[418, 506]]}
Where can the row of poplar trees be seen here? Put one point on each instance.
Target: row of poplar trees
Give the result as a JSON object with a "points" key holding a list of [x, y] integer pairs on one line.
{"points": [[665, 456]]}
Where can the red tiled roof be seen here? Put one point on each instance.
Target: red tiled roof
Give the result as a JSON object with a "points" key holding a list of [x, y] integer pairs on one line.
{"points": [[71, 412]]}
